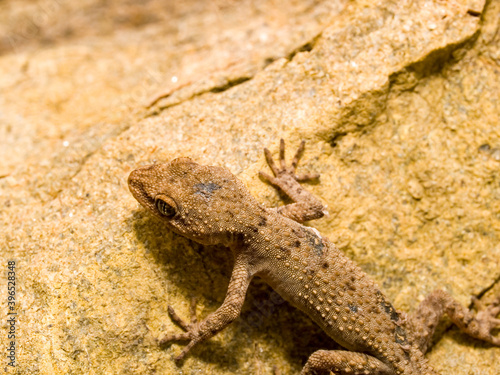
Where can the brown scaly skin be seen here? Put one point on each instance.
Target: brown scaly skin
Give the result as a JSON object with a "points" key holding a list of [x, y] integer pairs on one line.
{"points": [[211, 206]]}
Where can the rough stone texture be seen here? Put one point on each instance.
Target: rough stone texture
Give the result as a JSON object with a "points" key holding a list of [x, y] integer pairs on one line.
{"points": [[398, 102]]}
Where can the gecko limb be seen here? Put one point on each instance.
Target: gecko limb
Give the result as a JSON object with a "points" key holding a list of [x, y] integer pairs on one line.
{"points": [[480, 326], [196, 332], [344, 362]]}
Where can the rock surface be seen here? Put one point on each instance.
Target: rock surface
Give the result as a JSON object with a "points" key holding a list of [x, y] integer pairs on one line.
{"points": [[398, 101]]}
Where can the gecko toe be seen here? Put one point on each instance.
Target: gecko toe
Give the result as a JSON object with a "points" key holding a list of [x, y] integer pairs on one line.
{"points": [[269, 179], [307, 177], [167, 339], [298, 155], [270, 161], [282, 154], [177, 319]]}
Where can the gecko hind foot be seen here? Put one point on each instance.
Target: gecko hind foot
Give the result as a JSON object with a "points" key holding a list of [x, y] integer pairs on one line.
{"points": [[486, 320], [480, 325]]}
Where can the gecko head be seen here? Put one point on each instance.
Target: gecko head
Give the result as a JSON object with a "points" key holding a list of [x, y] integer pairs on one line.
{"points": [[203, 203]]}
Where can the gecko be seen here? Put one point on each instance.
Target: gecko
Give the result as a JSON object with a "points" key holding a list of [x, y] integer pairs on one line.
{"points": [[209, 205]]}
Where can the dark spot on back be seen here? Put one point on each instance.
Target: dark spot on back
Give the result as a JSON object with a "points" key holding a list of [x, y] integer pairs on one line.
{"points": [[262, 221], [387, 307], [400, 335], [206, 190], [297, 243], [325, 265], [353, 308], [316, 242], [253, 229]]}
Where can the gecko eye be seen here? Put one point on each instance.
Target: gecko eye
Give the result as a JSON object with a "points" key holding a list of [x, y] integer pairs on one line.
{"points": [[165, 206]]}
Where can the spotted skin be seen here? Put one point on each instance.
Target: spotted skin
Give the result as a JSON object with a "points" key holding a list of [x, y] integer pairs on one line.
{"points": [[211, 206]]}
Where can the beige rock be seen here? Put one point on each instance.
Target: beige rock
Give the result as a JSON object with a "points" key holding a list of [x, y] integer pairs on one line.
{"points": [[398, 102]]}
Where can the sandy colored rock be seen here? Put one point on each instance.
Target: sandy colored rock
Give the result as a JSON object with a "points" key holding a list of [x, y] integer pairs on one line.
{"points": [[398, 102]]}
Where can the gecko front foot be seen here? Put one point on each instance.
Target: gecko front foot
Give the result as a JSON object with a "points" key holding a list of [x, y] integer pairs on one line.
{"points": [[191, 331], [306, 206], [282, 170]]}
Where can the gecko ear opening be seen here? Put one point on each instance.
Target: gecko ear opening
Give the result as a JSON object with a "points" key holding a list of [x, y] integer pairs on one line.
{"points": [[165, 206]]}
